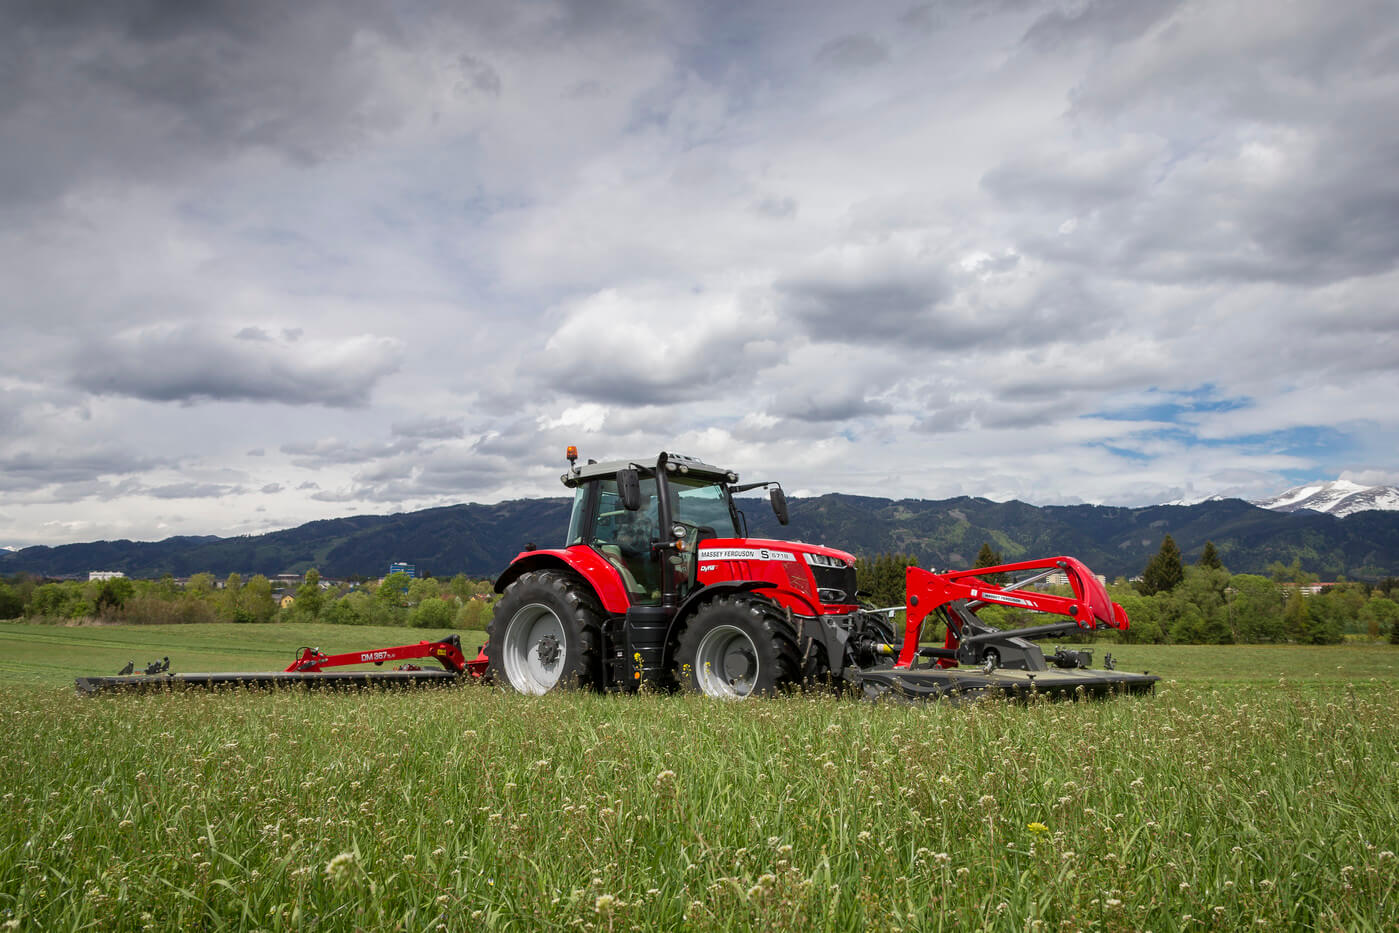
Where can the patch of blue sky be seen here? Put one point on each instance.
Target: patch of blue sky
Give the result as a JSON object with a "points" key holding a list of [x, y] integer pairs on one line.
{"points": [[1174, 406], [1126, 453]]}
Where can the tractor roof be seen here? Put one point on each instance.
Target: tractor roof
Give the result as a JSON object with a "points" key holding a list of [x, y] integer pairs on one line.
{"points": [[677, 463]]}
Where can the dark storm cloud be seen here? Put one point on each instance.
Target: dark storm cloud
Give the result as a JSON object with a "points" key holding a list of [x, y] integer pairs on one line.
{"points": [[835, 406], [1282, 171], [452, 473], [945, 312], [28, 471], [863, 311], [777, 208], [439, 429], [189, 364], [165, 85], [312, 455], [192, 491], [1109, 21], [852, 53]]}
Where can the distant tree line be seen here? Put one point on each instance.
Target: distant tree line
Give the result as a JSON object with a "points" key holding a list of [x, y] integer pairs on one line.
{"points": [[1202, 603], [459, 602]]}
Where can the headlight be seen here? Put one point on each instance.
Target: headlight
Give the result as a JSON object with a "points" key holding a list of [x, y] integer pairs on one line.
{"points": [[823, 560]]}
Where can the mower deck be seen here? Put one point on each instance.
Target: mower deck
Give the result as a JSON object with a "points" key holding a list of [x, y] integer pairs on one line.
{"points": [[266, 679], [974, 683]]}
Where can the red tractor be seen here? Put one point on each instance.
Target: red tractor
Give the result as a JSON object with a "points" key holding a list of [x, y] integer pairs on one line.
{"points": [[658, 583]]}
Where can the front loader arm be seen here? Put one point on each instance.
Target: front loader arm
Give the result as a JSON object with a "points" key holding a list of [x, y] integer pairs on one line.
{"points": [[927, 592]]}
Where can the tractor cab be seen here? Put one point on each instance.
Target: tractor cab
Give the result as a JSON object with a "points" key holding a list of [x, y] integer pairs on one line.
{"points": [[648, 520]]}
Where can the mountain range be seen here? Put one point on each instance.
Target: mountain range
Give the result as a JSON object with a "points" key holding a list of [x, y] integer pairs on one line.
{"points": [[480, 540], [1339, 497]]}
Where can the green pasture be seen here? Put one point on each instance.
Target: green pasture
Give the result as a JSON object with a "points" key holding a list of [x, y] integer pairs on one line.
{"points": [[55, 654], [1255, 790]]}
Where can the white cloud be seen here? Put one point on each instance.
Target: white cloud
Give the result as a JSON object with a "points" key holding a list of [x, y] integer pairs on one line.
{"points": [[381, 259]]}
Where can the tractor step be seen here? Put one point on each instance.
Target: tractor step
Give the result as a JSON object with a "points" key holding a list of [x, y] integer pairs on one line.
{"points": [[266, 679], [973, 683]]}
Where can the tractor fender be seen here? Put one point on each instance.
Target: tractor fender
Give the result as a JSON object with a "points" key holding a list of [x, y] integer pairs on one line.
{"points": [[703, 595], [581, 560]]}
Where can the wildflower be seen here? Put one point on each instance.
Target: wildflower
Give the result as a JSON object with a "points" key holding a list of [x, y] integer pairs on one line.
{"points": [[341, 867], [604, 904], [1037, 828]]}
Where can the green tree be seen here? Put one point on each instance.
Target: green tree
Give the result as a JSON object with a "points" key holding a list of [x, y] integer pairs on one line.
{"points": [[394, 590], [1379, 614], [65, 600], [989, 557], [1209, 558], [1296, 619], [474, 614], [422, 589], [1291, 573], [1164, 571], [113, 595], [257, 599], [200, 585], [1254, 606], [1196, 608], [1143, 618], [883, 577], [11, 603], [309, 598], [432, 613]]}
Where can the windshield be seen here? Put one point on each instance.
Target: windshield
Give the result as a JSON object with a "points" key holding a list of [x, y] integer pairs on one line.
{"points": [[702, 502]]}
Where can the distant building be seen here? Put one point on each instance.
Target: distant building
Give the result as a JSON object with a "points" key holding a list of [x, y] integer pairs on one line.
{"points": [[1060, 578], [400, 567], [286, 602], [1306, 589], [104, 575]]}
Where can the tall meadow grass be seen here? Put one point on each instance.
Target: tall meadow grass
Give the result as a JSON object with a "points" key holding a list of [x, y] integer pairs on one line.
{"points": [[1199, 808]]}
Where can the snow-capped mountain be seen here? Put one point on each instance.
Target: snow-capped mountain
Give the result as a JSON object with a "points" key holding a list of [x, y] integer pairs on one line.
{"points": [[1195, 500], [1338, 497]]}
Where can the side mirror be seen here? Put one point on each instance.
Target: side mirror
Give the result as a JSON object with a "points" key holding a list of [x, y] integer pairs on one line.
{"points": [[779, 504], [629, 489]]}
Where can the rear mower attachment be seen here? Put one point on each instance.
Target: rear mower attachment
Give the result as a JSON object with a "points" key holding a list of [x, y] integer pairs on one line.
{"points": [[308, 670]]}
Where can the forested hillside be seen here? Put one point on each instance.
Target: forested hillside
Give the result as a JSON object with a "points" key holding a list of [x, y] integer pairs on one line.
{"points": [[479, 540]]}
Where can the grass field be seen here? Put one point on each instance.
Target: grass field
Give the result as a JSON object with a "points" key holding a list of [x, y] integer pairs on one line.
{"points": [[1256, 790]]}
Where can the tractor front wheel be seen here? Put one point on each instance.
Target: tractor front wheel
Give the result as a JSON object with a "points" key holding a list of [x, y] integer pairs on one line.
{"points": [[737, 646], [544, 634]]}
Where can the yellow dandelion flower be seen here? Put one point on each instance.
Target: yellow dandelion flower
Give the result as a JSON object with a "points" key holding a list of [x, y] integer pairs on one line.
{"points": [[1037, 828]]}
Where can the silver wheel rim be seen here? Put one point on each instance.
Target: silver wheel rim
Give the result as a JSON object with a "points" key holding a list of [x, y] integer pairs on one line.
{"points": [[534, 649], [726, 663]]}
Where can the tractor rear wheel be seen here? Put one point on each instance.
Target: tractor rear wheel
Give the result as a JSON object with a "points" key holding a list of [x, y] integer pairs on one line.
{"points": [[737, 646], [545, 634]]}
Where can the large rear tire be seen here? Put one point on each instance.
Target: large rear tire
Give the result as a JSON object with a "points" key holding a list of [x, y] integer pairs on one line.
{"points": [[544, 635], [736, 646]]}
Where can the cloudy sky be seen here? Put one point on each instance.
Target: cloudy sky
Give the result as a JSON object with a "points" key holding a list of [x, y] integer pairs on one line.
{"points": [[265, 262]]}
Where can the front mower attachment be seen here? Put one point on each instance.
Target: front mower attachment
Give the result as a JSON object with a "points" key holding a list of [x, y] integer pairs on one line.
{"points": [[978, 659]]}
